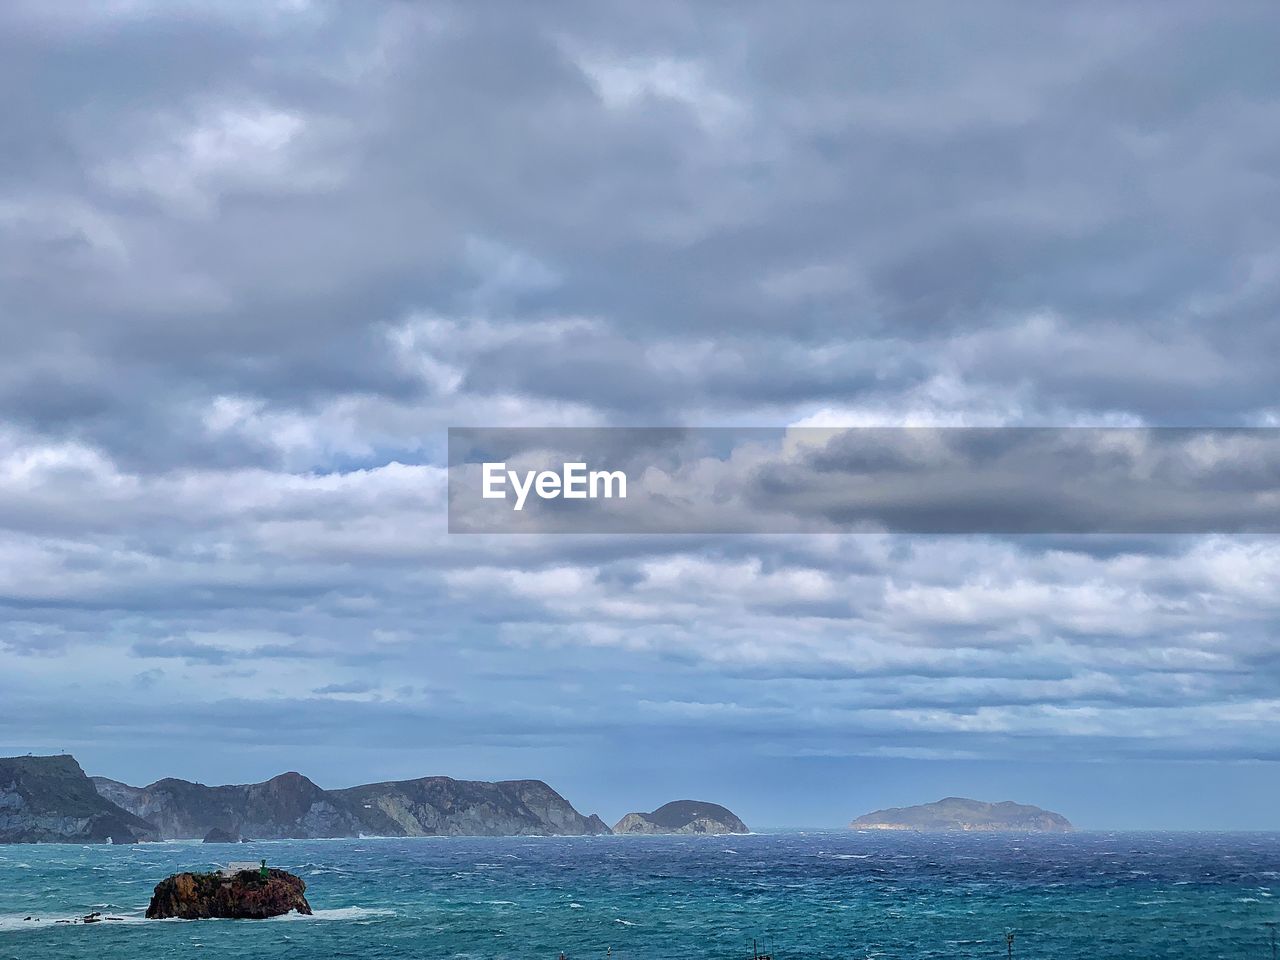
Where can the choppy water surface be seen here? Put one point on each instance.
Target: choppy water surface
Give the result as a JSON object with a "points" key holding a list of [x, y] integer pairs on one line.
{"points": [[818, 894]]}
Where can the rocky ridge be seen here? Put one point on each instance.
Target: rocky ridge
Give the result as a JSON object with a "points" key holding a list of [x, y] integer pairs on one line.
{"points": [[291, 806], [50, 799]]}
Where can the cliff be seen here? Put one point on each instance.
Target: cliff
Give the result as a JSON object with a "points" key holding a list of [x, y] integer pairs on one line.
{"points": [[50, 800], [287, 806], [683, 817], [441, 806], [959, 814], [291, 806]]}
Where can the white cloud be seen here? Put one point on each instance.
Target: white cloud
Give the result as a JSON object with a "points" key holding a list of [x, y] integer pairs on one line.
{"points": [[625, 83], [192, 162]]}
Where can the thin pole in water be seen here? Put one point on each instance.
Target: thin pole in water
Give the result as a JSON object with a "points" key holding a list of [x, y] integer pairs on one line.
{"points": [[1008, 941]]}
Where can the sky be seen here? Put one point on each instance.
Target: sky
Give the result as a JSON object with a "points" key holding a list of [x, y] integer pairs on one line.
{"points": [[257, 257]]}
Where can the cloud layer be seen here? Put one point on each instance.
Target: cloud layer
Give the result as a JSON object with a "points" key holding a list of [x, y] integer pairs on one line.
{"points": [[255, 258]]}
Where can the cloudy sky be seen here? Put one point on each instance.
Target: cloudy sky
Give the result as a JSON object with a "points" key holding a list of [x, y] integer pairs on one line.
{"points": [[256, 258]]}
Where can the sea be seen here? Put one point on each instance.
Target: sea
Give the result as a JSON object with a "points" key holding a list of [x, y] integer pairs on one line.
{"points": [[792, 894]]}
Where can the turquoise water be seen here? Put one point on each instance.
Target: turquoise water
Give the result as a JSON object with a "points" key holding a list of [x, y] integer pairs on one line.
{"points": [[847, 895]]}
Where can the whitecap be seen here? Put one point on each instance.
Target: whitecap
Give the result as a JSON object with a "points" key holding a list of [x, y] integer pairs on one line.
{"points": [[16, 922], [342, 913]]}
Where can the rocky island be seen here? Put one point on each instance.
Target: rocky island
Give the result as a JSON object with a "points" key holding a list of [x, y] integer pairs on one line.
{"points": [[957, 814], [251, 894], [683, 817]]}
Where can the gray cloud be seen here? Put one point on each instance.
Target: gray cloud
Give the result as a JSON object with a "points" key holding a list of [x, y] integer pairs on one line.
{"points": [[255, 258], [915, 480]]}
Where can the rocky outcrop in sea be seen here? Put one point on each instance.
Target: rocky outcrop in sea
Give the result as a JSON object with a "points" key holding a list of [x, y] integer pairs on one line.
{"points": [[683, 817], [244, 895]]}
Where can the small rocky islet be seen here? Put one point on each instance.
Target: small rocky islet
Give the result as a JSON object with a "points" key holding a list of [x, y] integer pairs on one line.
{"points": [[240, 891], [251, 893], [682, 817]]}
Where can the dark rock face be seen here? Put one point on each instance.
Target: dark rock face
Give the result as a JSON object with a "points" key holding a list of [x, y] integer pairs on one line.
{"points": [[441, 806], [683, 816], [596, 826], [957, 814], [287, 806], [50, 800], [245, 896], [291, 806]]}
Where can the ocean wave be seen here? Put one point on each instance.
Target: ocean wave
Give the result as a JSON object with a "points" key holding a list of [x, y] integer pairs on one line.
{"points": [[175, 842], [342, 913], [12, 922]]}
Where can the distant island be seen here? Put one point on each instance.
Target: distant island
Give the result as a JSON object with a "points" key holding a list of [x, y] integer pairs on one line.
{"points": [[51, 800], [682, 817], [959, 814]]}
